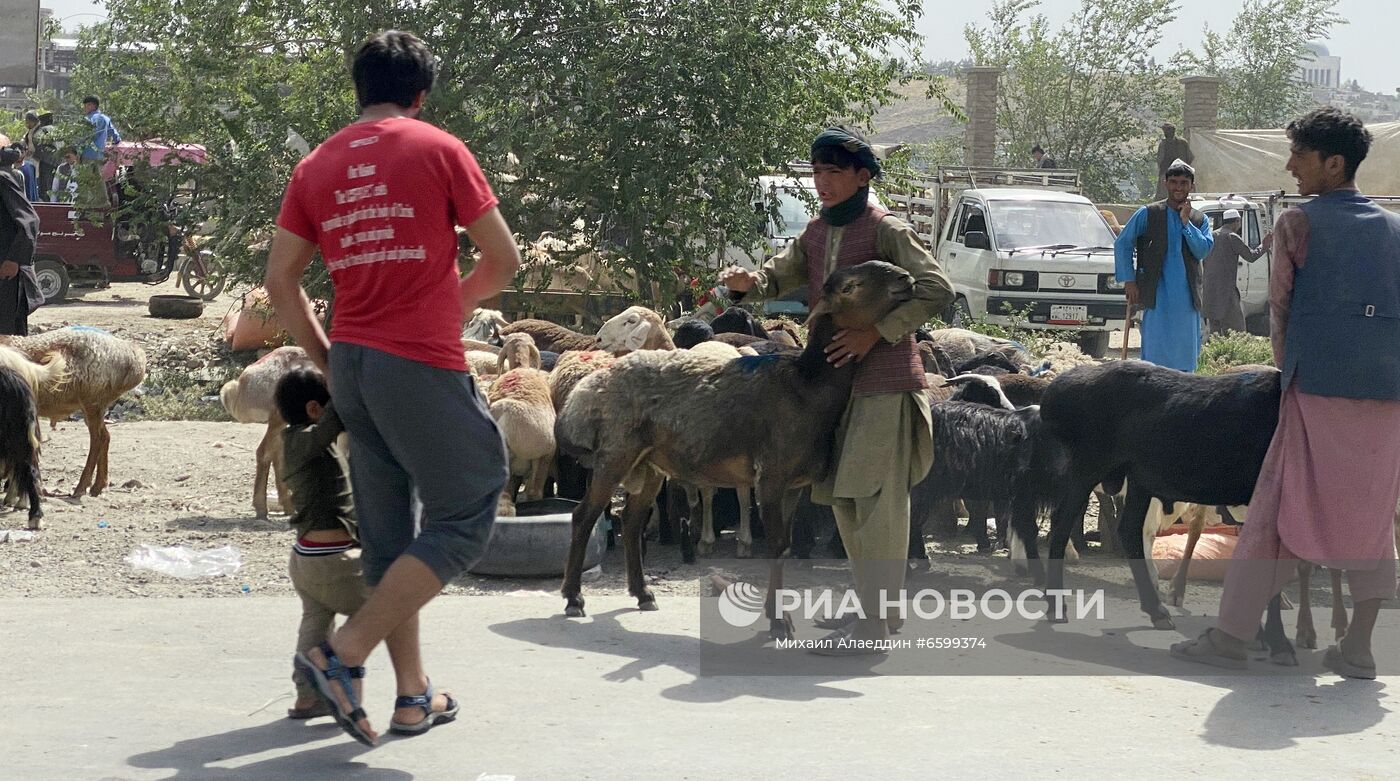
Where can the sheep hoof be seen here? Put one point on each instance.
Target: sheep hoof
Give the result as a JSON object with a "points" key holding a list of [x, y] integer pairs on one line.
{"points": [[34, 522], [1176, 598], [1307, 637], [703, 548], [647, 604], [260, 515], [573, 610], [1284, 658], [745, 550], [1163, 622]]}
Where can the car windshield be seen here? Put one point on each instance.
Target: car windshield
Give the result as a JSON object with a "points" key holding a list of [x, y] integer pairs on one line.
{"points": [[793, 212], [1048, 223]]}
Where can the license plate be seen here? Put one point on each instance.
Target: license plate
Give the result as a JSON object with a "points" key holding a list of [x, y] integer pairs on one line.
{"points": [[1069, 315]]}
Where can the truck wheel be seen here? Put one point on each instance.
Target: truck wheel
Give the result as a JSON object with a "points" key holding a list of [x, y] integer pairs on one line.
{"points": [[53, 280], [175, 307], [1093, 343]]}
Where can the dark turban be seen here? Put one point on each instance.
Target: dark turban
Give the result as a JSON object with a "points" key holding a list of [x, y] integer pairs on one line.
{"points": [[851, 141]]}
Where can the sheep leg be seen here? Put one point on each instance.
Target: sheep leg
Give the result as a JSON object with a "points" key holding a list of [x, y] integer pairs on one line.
{"points": [[770, 504], [1306, 635], [1196, 523], [28, 474], [706, 502], [594, 502], [539, 472], [685, 523], [1280, 650], [1130, 534], [104, 444], [1339, 610], [279, 466], [263, 458], [1022, 536], [634, 517], [85, 480], [977, 513], [745, 537]]}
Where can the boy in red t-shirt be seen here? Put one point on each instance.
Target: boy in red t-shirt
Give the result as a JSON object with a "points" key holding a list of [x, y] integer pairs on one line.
{"points": [[380, 200]]}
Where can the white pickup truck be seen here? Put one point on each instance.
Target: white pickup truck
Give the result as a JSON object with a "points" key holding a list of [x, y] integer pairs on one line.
{"points": [[1021, 247]]}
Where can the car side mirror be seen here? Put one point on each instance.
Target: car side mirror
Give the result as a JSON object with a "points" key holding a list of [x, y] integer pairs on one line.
{"points": [[976, 240]]}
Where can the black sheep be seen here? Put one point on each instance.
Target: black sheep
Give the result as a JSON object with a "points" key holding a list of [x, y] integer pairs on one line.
{"points": [[692, 332], [738, 321], [1174, 436], [19, 440]]}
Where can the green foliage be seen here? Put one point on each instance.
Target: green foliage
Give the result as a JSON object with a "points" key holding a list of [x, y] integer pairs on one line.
{"points": [[178, 394], [1258, 59], [1222, 351], [1086, 92], [646, 124]]}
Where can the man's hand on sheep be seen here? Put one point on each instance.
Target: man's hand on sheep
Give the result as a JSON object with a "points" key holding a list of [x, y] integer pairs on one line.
{"points": [[851, 343], [9, 269], [738, 280]]}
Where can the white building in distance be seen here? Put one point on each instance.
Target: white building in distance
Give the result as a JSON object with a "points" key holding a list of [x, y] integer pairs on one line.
{"points": [[1319, 68]]}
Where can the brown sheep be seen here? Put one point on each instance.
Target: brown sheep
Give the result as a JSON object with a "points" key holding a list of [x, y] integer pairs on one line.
{"points": [[521, 406], [550, 336], [101, 369], [783, 331]]}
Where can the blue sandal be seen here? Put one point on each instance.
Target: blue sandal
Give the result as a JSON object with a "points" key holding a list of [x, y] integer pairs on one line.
{"points": [[337, 672], [430, 719]]}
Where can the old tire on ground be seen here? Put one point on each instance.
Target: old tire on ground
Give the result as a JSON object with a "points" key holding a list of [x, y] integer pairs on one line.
{"points": [[1093, 343], [53, 280], [535, 542], [175, 307]]}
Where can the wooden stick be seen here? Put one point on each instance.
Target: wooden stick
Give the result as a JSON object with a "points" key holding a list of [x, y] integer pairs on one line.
{"points": [[1127, 328]]}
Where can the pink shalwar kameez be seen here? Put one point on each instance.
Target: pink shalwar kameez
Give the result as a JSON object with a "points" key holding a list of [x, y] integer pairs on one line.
{"points": [[1328, 488]]}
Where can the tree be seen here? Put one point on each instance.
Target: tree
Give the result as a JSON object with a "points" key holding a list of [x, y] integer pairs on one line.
{"points": [[1086, 92], [1258, 59], [646, 124]]}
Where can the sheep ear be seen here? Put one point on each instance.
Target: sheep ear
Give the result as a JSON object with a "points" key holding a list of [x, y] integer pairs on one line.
{"points": [[638, 335]]}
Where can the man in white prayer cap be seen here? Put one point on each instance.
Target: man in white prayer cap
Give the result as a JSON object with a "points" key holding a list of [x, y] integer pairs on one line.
{"points": [[1220, 295]]}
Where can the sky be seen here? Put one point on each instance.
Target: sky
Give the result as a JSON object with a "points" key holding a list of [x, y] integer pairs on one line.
{"points": [[1364, 44]]}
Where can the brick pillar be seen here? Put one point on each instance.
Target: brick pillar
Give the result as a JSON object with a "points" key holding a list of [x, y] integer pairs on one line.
{"points": [[1201, 107], [980, 138]]}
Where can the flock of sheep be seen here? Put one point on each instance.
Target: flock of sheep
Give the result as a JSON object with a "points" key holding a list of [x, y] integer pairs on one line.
{"points": [[751, 405]]}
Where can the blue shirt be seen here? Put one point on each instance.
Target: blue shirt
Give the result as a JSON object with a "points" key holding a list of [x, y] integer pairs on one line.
{"points": [[1171, 331], [102, 131]]}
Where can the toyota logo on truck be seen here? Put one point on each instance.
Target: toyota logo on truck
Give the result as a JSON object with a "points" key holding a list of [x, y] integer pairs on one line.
{"points": [[1066, 280]]}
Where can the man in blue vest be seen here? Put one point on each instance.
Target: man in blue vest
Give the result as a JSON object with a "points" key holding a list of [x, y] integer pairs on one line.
{"points": [[1169, 238], [1328, 487]]}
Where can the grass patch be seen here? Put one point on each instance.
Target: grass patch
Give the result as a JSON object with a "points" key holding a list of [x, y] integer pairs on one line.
{"points": [[1222, 351]]}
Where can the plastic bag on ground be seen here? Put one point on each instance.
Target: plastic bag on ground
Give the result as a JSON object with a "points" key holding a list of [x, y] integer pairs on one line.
{"points": [[183, 562]]}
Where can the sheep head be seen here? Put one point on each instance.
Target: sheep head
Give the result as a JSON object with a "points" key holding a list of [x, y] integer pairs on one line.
{"points": [[980, 389], [518, 351], [485, 326], [636, 328], [860, 296]]}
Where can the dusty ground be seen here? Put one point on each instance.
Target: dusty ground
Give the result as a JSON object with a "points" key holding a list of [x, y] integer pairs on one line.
{"points": [[190, 483]]}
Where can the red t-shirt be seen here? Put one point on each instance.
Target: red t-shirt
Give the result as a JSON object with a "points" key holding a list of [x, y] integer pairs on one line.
{"points": [[381, 200]]}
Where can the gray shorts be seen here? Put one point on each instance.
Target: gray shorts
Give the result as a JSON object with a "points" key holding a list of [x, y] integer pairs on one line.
{"points": [[417, 432]]}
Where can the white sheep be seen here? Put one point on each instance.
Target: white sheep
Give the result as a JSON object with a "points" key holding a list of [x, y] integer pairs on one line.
{"points": [[101, 368], [635, 328], [250, 399], [485, 326]]}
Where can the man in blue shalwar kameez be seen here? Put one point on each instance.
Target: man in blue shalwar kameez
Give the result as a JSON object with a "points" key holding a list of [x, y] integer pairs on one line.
{"points": [[1169, 239]]}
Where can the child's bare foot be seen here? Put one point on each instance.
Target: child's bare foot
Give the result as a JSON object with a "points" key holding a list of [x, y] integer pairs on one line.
{"points": [[355, 722]]}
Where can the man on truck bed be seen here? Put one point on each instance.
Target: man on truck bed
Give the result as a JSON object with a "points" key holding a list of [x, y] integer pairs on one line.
{"points": [[1169, 239]]}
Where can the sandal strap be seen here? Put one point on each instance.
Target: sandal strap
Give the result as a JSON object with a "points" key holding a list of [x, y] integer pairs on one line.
{"points": [[340, 673], [424, 700]]}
